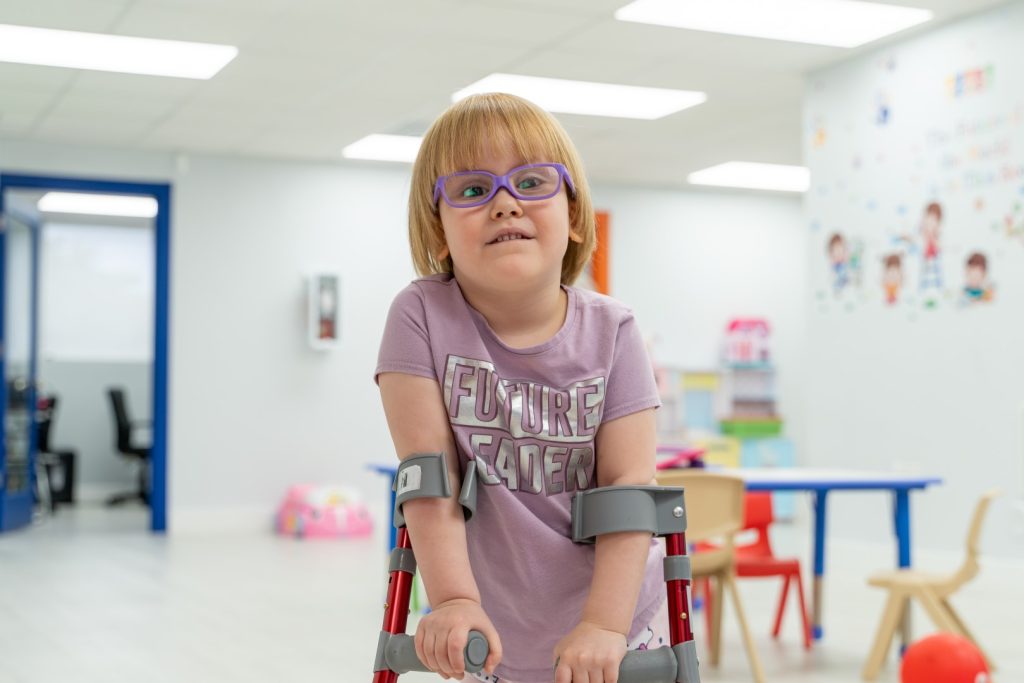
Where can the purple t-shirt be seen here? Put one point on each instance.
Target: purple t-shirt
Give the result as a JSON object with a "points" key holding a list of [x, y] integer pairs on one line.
{"points": [[527, 419]]}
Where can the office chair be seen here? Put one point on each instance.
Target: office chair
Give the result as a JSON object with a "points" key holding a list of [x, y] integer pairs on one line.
{"points": [[123, 426], [49, 460]]}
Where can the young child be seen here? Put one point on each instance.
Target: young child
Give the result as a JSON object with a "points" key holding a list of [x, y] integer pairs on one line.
{"points": [[493, 358]]}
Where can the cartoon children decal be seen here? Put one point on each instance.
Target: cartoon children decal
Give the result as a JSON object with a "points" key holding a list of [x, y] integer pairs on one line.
{"points": [[976, 285], [892, 277], [931, 266], [838, 257]]}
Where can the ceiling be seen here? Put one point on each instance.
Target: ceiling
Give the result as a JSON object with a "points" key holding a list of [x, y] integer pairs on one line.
{"points": [[315, 75]]}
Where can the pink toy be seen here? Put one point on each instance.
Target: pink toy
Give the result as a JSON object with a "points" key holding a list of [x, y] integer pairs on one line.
{"points": [[747, 341], [310, 511]]}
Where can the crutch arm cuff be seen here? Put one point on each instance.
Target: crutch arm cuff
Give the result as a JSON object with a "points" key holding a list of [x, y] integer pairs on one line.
{"points": [[658, 510], [425, 475]]}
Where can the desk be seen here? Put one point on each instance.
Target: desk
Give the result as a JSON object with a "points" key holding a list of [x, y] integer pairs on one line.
{"points": [[820, 482]]}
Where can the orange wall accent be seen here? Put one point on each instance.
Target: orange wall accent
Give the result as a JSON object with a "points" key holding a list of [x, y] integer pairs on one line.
{"points": [[599, 266]]}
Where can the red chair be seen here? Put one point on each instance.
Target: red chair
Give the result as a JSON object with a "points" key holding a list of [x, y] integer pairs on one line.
{"points": [[757, 559]]}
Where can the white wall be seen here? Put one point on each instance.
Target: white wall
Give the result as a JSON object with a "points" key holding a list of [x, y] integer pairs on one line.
{"points": [[687, 262], [253, 409], [930, 382]]}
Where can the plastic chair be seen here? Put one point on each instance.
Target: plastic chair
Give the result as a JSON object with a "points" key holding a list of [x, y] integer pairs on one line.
{"points": [[758, 560], [932, 591], [714, 505]]}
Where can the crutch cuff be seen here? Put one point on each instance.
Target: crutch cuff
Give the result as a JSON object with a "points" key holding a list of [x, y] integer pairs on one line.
{"points": [[658, 510], [425, 475]]}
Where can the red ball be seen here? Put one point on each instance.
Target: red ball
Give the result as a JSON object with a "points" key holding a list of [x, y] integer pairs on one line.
{"points": [[943, 658]]}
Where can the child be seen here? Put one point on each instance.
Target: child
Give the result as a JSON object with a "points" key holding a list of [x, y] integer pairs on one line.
{"points": [[494, 359]]}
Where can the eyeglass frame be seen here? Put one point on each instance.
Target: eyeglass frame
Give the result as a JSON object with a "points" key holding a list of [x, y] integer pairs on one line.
{"points": [[502, 181]]}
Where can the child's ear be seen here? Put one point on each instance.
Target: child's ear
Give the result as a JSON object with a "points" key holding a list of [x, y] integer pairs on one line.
{"points": [[442, 253], [575, 236]]}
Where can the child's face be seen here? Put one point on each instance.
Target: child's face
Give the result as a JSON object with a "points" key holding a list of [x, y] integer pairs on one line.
{"points": [[893, 275], [837, 252], [535, 259], [930, 225], [975, 277]]}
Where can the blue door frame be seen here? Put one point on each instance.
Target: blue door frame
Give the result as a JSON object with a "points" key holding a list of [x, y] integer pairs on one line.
{"points": [[162, 194], [16, 506]]}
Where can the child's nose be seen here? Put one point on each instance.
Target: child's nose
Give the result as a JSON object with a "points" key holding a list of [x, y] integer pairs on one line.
{"points": [[505, 205]]}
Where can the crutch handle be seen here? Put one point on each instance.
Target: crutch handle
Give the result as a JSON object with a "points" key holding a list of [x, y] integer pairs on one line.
{"points": [[648, 666], [400, 653]]}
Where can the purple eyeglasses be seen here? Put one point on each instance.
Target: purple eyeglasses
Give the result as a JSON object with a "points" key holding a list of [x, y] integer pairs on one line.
{"points": [[530, 182]]}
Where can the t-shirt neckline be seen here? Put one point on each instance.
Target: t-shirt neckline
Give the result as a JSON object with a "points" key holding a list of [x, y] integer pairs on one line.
{"points": [[559, 336]]}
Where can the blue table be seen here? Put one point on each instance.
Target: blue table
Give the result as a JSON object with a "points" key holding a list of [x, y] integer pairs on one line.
{"points": [[820, 482]]}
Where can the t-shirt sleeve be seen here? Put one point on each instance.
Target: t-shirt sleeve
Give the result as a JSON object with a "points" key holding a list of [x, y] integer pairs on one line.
{"points": [[631, 384], [405, 346]]}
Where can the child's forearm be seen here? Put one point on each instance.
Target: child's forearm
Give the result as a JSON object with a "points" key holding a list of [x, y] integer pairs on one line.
{"points": [[437, 529], [619, 567]]}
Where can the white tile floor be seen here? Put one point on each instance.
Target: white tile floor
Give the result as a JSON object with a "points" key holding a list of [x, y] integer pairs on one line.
{"points": [[89, 597]]}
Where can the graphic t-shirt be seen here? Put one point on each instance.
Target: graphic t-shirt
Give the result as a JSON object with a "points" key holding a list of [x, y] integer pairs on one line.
{"points": [[527, 419]]}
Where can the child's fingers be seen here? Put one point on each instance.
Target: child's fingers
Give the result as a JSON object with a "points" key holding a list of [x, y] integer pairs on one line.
{"points": [[418, 642], [493, 649], [429, 658], [457, 640], [444, 665]]}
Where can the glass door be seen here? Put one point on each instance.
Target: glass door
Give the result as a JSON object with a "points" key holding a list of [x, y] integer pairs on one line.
{"points": [[19, 246]]}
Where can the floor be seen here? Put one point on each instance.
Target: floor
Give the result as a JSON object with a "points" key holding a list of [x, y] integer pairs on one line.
{"points": [[88, 596]]}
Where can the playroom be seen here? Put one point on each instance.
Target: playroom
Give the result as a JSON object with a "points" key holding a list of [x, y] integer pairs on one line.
{"points": [[605, 340]]}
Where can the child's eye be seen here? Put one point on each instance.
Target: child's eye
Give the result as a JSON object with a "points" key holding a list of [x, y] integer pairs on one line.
{"points": [[472, 191], [528, 183]]}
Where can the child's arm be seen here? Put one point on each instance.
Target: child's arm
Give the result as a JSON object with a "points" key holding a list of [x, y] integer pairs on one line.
{"points": [[418, 423], [626, 449]]}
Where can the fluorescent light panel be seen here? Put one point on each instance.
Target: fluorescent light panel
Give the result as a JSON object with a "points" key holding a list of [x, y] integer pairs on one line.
{"points": [[98, 204], [102, 52], [754, 176], [839, 23], [379, 147], [588, 98]]}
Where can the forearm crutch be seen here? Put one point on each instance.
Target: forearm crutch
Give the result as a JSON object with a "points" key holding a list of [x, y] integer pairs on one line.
{"points": [[661, 511], [423, 475], [655, 509]]}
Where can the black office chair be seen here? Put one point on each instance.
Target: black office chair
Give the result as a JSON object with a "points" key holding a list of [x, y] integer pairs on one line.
{"points": [[125, 446], [55, 466]]}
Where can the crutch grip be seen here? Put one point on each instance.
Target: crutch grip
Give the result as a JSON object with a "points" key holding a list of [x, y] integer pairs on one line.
{"points": [[666, 664], [400, 653]]}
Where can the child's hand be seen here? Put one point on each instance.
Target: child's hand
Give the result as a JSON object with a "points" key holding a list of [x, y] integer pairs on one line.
{"points": [[589, 653], [441, 637]]}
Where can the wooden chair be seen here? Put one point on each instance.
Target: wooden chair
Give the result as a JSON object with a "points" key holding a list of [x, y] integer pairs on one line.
{"points": [[932, 592], [714, 511]]}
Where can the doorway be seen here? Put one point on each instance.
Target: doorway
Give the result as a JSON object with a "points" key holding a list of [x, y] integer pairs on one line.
{"points": [[20, 248]]}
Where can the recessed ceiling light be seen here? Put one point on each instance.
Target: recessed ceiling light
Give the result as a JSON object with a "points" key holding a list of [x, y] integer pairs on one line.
{"points": [[839, 23], [98, 204], [104, 52], [585, 97], [379, 147], [754, 176]]}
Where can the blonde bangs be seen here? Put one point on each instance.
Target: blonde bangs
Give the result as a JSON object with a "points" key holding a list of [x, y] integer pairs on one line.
{"points": [[472, 129]]}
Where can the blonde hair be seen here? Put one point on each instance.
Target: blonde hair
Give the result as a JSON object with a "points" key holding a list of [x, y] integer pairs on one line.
{"points": [[465, 133]]}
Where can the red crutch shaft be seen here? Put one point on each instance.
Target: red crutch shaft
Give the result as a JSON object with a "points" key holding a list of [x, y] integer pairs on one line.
{"points": [[396, 608], [680, 630]]}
